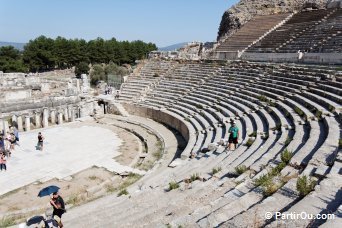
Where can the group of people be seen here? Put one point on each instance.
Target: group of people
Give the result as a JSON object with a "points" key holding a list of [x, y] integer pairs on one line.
{"points": [[49, 220], [108, 90], [8, 142]]}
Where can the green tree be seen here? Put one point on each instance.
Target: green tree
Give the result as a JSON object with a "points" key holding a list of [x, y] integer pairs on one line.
{"points": [[81, 68], [11, 60], [42, 53], [97, 74], [39, 54]]}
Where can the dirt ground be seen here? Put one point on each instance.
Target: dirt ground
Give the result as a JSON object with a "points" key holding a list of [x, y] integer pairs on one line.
{"points": [[25, 198]]}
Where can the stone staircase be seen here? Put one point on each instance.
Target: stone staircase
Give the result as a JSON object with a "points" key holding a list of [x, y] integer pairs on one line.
{"points": [[308, 31], [252, 31]]}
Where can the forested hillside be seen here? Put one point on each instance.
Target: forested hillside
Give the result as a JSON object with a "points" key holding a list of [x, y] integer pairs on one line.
{"points": [[43, 54]]}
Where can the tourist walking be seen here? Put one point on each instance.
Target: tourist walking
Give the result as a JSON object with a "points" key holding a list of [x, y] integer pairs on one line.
{"points": [[233, 135], [3, 162], [2, 144], [117, 95], [16, 133], [58, 205], [13, 141], [40, 143], [7, 143]]}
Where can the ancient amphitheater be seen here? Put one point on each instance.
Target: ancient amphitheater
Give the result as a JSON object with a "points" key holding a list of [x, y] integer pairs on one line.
{"points": [[287, 104]]}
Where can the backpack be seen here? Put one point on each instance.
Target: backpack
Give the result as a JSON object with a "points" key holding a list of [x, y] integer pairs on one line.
{"points": [[51, 223]]}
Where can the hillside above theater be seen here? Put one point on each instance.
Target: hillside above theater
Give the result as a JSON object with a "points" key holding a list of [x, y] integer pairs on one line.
{"points": [[243, 11]]}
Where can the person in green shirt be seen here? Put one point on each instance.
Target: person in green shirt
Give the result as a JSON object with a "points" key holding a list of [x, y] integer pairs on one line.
{"points": [[233, 135]]}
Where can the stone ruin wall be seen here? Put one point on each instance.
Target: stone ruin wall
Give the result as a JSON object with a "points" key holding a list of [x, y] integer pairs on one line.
{"points": [[242, 12], [32, 101]]}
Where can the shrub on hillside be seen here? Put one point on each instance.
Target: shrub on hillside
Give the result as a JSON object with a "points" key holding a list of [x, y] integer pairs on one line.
{"points": [[287, 141], [216, 170], [299, 111], [123, 192], [240, 169], [194, 177], [249, 142], [253, 134], [286, 156], [305, 185], [173, 185]]}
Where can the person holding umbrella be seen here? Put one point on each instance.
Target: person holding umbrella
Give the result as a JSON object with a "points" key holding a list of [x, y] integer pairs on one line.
{"points": [[58, 205], [56, 202]]}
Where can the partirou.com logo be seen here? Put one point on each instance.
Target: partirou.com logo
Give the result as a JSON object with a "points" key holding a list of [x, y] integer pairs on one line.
{"points": [[295, 216]]}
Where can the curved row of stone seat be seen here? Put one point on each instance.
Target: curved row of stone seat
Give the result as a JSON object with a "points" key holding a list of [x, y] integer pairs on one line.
{"points": [[219, 201], [211, 119], [151, 68], [251, 31], [314, 106], [134, 87], [262, 214], [285, 196], [313, 31], [309, 139]]}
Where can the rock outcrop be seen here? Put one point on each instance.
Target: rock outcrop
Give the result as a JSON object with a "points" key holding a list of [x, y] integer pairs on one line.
{"points": [[334, 4], [242, 12]]}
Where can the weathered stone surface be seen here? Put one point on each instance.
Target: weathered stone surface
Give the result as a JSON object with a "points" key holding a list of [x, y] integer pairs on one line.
{"points": [[242, 12], [334, 4]]}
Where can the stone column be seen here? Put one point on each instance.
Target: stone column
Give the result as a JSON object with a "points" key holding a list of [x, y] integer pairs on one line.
{"points": [[60, 117], [69, 112], [15, 121], [6, 126], [82, 114], [20, 123], [66, 115], [37, 120], [72, 114], [105, 108], [78, 87], [45, 117], [1, 125], [27, 123], [53, 116], [95, 107], [102, 108]]}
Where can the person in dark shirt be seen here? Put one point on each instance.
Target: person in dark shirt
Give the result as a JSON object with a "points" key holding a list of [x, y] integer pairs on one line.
{"points": [[2, 144], [58, 205], [40, 143], [234, 134]]}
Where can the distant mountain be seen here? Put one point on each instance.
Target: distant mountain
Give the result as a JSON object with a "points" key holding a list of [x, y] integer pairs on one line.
{"points": [[19, 46], [173, 47]]}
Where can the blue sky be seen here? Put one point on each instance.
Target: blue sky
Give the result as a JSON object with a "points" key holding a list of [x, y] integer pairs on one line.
{"points": [[163, 22]]}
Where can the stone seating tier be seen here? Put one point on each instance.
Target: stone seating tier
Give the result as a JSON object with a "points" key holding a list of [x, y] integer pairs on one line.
{"points": [[311, 31], [233, 91]]}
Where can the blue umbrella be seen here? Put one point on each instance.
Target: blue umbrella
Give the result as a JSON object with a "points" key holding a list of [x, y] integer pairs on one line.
{"points": [[48, 190], [34, 220]]}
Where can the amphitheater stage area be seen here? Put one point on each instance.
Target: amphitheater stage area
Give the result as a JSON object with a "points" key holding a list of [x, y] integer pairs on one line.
{"points": [[68, 149]]}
